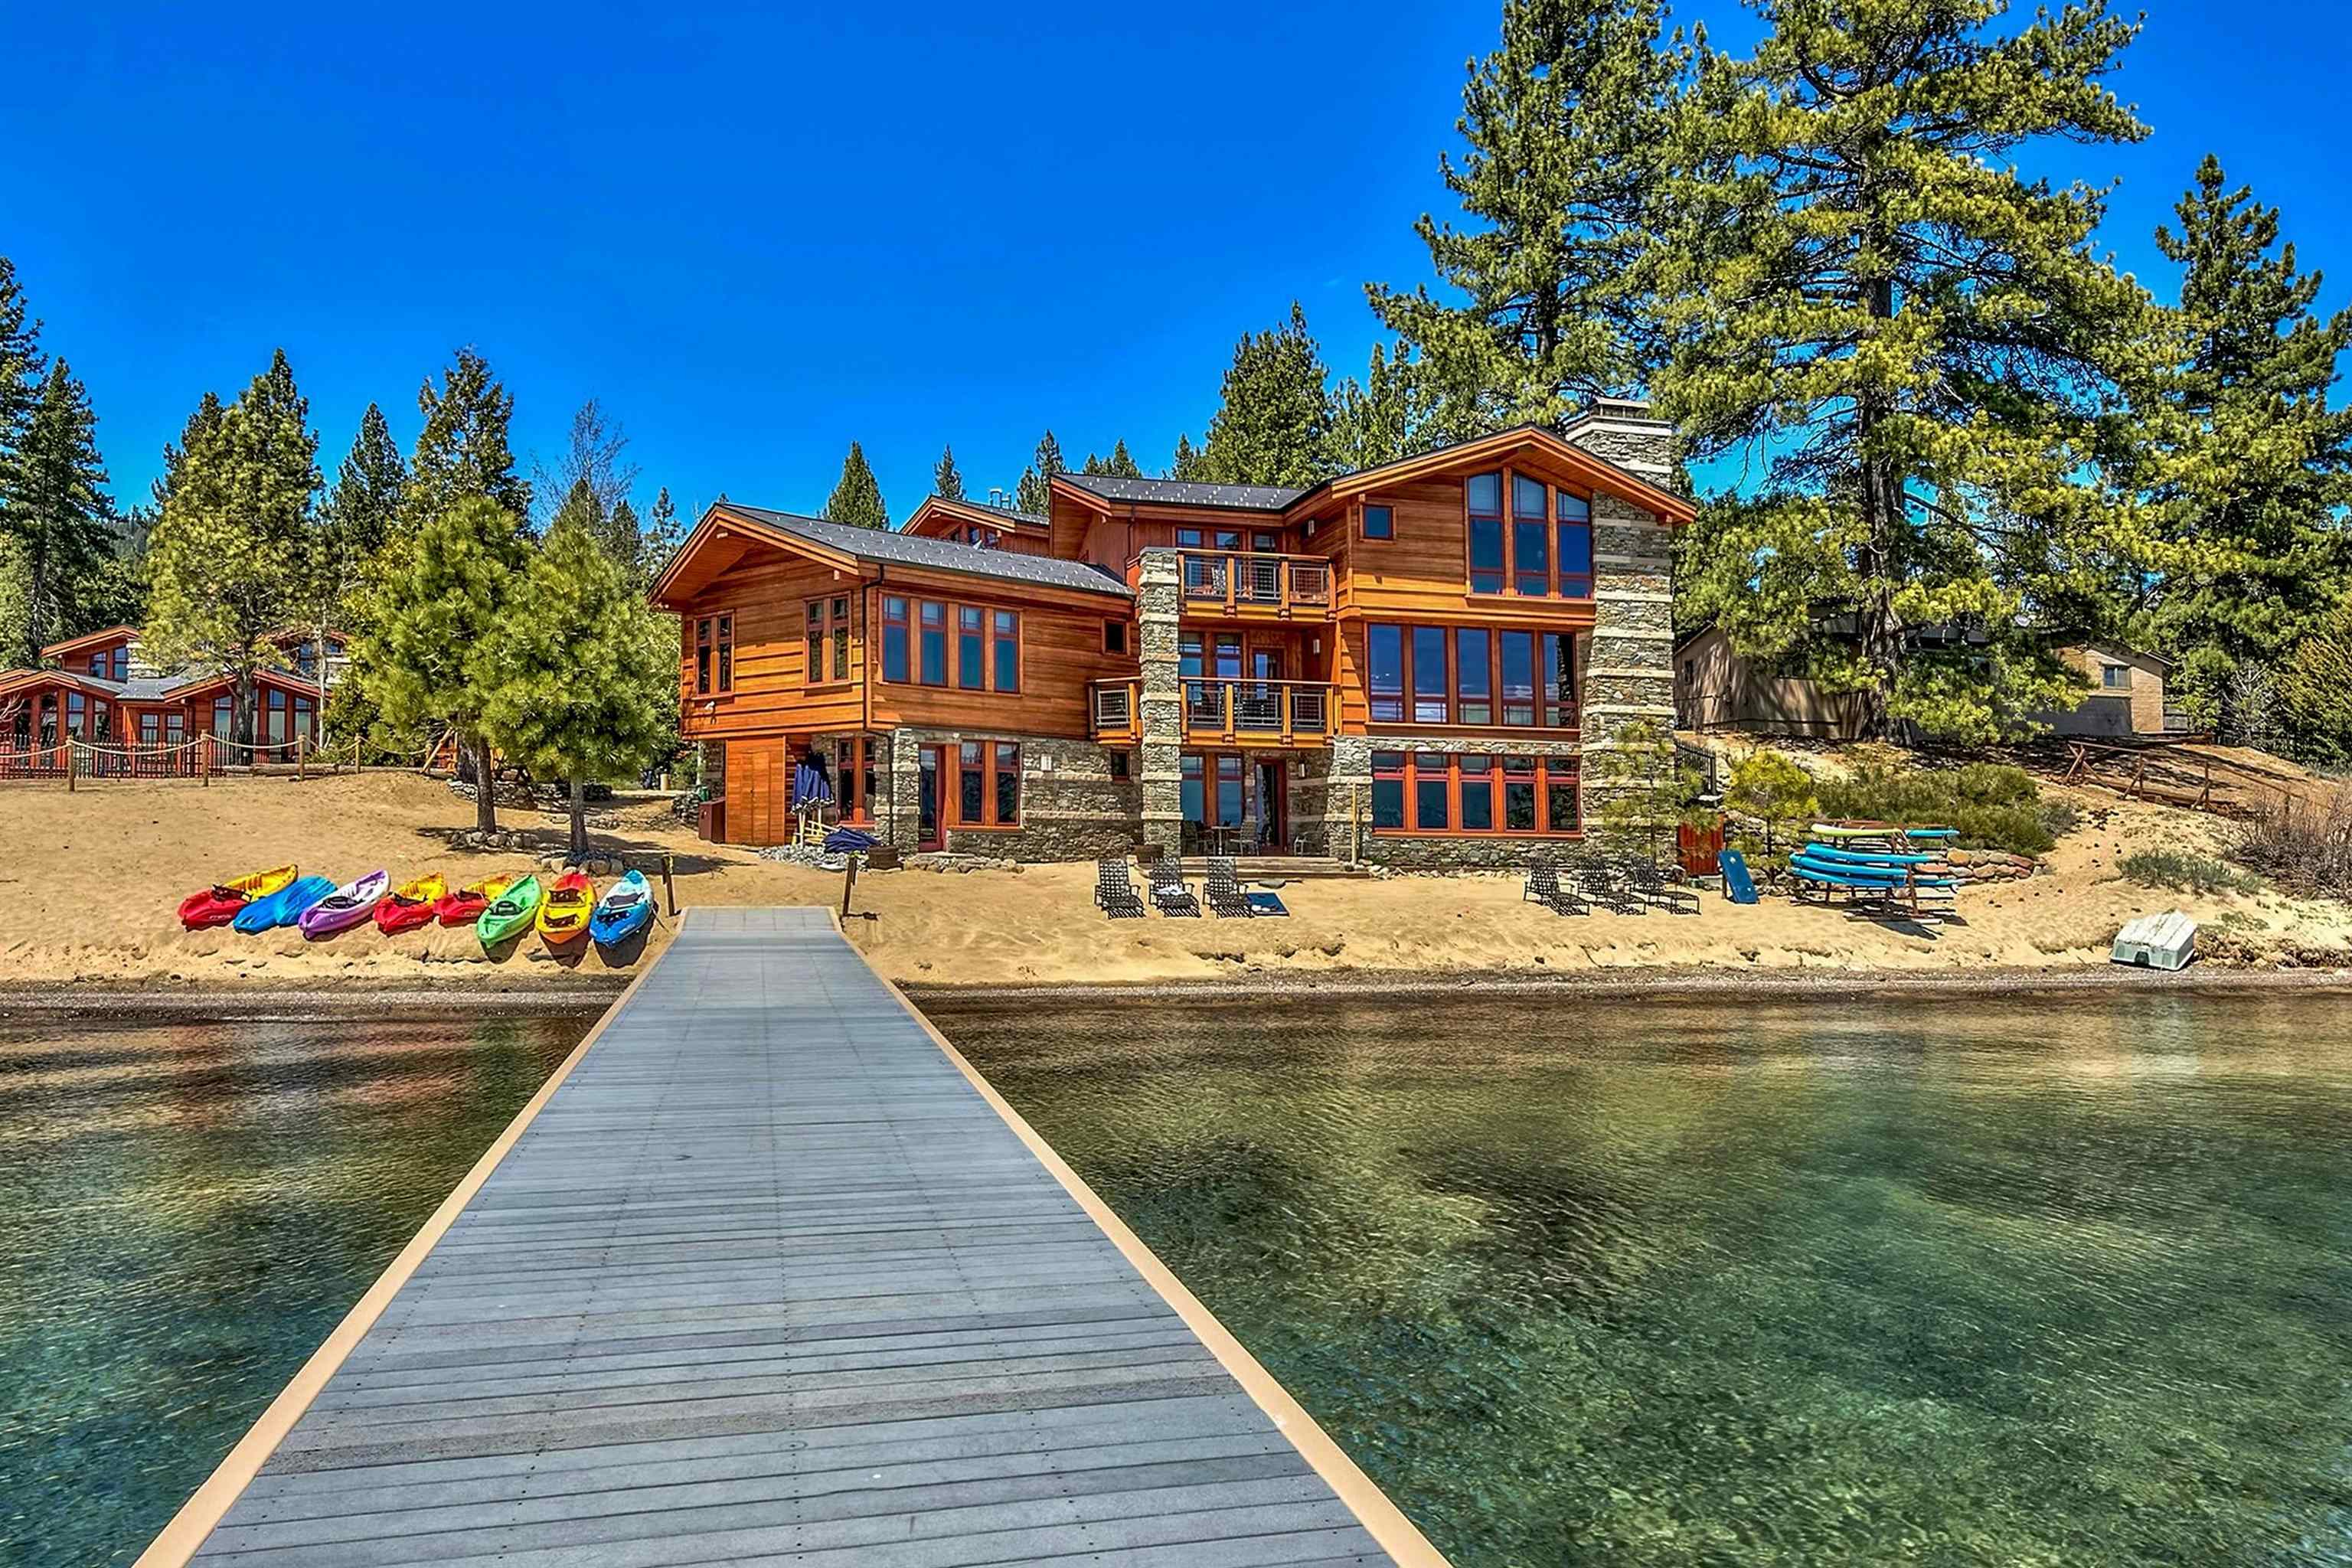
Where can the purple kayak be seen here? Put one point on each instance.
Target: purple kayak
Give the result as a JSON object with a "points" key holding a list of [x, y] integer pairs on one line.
{"points": [[346, 906]]}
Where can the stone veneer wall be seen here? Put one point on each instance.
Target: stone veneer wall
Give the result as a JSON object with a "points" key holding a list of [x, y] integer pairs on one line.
{"points": [[1629, 670], [1160, 758], [1071, 808]]}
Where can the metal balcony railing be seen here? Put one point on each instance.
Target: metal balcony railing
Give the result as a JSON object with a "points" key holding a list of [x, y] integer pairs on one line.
{"points": [[1285, 587], [1269, 713]]}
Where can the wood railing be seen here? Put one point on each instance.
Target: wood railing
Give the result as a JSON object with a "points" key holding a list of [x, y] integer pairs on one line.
{"points": [[1115, 710], [1238, 582], [1262, 713]]}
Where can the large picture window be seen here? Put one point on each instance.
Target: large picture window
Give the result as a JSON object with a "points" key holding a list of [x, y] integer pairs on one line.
{"points": [[1438, 793], [1470, 675], [1547, 548], [1005, 627], [984, 655]]}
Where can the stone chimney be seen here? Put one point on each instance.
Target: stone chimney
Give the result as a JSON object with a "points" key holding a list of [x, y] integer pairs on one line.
{"points": [[1628, 674], [1625, 431]]}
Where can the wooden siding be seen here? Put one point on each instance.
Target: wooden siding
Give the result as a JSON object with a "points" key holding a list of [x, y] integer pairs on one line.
{"points": [[1061, 651], [768, 595], [759, 791], [1424, 571]]}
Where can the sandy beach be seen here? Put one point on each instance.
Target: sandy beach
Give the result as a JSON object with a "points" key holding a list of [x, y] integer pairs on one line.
{"points": [[91, 879]]}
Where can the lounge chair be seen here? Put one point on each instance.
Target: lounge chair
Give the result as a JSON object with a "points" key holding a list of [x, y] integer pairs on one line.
{"points": [[1113, 894], [1169, 896], [1223, 890], [1609, 887], [1543, 888], [1652, 888]]}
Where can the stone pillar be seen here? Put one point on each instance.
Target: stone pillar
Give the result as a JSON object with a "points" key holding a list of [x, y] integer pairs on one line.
{"points": [[1629, 669], [898, 814], [1161, 709], [1348, 803]]}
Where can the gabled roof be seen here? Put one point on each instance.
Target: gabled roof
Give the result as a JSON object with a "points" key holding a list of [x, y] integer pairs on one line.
{"points": [[915, 549], [1281, 499], [1184, 492], [981, 510], [88, 639]]}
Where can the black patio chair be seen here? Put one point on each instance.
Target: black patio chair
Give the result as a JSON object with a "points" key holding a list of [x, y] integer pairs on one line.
{"points": [[1113, 894], [1223, 890], [1169, 896], [1651, 886], [1543, 887], [1609, 887]]}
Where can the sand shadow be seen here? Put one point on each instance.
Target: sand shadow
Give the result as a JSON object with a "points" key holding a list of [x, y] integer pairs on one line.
{"points": [[624, 954]]}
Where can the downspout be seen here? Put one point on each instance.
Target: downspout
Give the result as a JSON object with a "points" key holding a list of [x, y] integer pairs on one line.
{"points": [[881, 576]]}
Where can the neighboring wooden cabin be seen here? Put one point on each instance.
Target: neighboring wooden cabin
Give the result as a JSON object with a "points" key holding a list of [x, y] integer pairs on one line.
{"points": [[1718, 689], [97, 689], [975, 522], [1404, 665]]}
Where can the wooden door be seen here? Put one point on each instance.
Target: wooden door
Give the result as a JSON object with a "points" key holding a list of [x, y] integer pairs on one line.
{"points": [[755, 786]]}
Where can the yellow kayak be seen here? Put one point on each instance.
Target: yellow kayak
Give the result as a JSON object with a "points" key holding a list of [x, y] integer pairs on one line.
{"points": [[411, 904], [563, 914]]}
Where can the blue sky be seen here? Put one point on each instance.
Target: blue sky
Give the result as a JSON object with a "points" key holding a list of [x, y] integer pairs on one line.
{"points": [[757, 235]]}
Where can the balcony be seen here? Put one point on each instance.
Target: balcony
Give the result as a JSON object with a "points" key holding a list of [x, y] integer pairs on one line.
{"points": [[1250, 586], [1223, 713]]}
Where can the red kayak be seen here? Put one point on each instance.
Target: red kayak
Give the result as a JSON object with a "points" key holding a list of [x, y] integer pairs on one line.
{"points": [[464, 906], [411, 904], [213, 906]]}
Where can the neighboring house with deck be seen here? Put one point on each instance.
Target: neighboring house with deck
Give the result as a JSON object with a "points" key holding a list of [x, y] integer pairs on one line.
{"points": [[97, 689], [1718, 689], [1407, 665]]}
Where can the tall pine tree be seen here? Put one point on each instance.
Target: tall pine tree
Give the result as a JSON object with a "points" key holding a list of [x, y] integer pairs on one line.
{"points": [[659, 539], [419, 657], [359, 517], [1187, 463], [2251, 471], [1381, 419], [947, 483], [1274, 417], [463, 449], [1121, 464], [57, 516], [231, 543], [1034, 493], [1923, 341], [1566, 126], [579, 678], [856, 499]]}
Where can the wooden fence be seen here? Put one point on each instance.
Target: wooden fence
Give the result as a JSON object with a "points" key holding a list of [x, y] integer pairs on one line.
{"points": [[75, 761]]}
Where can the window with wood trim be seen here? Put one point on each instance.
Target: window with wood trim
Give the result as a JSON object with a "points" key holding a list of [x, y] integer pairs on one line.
{"points": [[1114, 637], [829, 640], [1470, 675], [1473, 794], [1004, 649], [1379, 522], [971, 634], [1575, 513], [894, 637], [934, 630], [714, 655], [988, 783], [1530, 537], [1547, 549]]}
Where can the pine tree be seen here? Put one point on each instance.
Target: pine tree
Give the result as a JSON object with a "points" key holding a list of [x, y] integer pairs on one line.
{"points": [[1566, 125], [1034, 493], [1271, 424], [463, 448], [1381, 419], [22, 375], [659, 540], [2249, 469], [418, 658], [576, 679], [1121, 464], [856, 500], [201, 426], [946, 482], [1862, 286], [230, 545], [360, 515], [1186, 464], [56, 513]]}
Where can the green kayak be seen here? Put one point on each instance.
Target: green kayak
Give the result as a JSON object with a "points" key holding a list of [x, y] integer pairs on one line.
{"points": [[510, 913]]}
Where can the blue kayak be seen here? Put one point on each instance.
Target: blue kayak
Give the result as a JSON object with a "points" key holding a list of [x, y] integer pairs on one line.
{"points": [[284, 907], [626, 908]]}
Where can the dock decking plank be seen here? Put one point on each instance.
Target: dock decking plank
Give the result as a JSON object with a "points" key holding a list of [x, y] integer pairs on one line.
{"points": [[767, 1280]]}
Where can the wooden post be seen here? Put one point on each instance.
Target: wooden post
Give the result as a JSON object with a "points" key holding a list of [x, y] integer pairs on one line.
{"points": [[301, 759], [204, 759], [669, 889], [70, 765], [848, 882]]}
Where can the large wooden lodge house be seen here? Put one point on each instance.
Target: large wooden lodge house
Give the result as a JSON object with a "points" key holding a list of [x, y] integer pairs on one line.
{"points": [[96, 689], [1405, 665]]}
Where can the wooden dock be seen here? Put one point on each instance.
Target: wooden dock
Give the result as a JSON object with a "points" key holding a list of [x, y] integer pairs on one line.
{"points": [[768, 1274]]}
